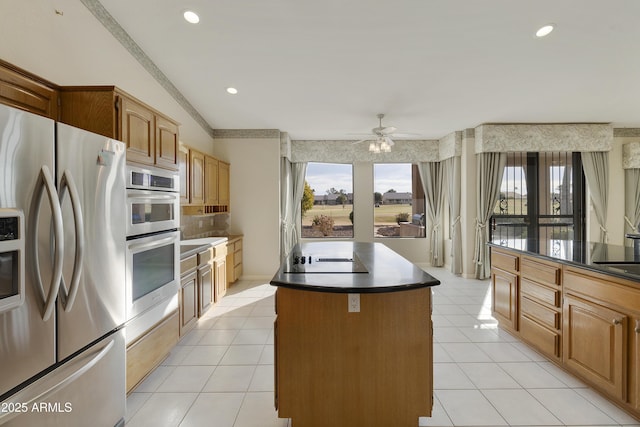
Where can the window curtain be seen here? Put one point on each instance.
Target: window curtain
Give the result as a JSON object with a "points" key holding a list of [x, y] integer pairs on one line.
{"points": [[431, 175], [631, 201], [596, 172], [452, 173], [490, 168], [292, 189]]}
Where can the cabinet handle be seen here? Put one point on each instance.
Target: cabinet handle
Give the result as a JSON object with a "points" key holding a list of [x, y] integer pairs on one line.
{"points": [[617, 321], [637, 327]]}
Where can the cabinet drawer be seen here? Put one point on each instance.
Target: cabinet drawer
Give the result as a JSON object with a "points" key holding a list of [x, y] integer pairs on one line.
{"points": [[544, 315], [204, 257], [504, 261], [237, 258], [238, 245], [219, 251], [188, 264], [540, 337], [540, 292], [237, 271], [541, 272]]}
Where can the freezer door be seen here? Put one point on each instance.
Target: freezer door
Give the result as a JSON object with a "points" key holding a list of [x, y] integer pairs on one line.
{"points": [[91, 186], [87, 390], [27, 180]]}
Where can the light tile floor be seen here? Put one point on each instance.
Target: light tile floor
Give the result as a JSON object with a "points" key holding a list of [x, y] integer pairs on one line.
{"points": [[221, 373]]}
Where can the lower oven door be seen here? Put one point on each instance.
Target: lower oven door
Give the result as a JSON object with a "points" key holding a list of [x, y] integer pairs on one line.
{"points": [[153, 271]]}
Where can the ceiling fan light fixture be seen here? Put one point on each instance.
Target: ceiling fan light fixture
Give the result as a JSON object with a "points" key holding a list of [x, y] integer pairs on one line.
{"points": [[191, 17], [545, 30]]}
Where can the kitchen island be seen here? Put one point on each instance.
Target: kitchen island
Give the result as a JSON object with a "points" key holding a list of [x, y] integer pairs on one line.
{"points": [[577, 303], [353, 337]]}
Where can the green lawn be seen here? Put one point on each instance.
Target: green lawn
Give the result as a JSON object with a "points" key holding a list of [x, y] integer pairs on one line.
{"points": [[385, 214]]}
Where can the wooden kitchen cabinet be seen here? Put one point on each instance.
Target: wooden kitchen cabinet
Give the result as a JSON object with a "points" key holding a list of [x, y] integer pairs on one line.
{"points": [[208, 187], [206, 290], [196, 183], [234, 259], [223, 183], [210, 181], [220, 270], [635, 366], [540, 305], [183, 170], [504, 287], [23, 90], [188, 296], [595, 344], [152, 138]]}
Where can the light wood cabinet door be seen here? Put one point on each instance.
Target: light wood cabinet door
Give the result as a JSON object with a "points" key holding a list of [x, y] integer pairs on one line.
{"points": [[137, 131], [196, 196], [223, 184], [183, 171], [206, 292], [20, 90], [166, 143], [188, 302], [210, 180], [220, 270], [595, 344], [505, 298]]}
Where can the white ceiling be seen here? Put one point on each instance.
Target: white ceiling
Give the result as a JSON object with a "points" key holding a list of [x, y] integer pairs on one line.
{"points": [[323, 69]]}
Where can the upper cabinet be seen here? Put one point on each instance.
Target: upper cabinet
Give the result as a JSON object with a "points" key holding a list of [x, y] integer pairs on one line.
{"points": [[207, 190], [25, 91], [151, 137]]}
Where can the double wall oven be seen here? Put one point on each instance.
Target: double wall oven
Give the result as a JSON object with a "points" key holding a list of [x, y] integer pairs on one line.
{"points": [[153, 247]]}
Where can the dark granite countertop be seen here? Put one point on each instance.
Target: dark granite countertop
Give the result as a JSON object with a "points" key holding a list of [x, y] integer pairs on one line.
{"points": [[349, 267], [600, 257]]}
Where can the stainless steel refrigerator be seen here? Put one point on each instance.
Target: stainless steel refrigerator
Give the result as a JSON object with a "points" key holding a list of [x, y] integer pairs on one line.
{"points": [[62, 274]]}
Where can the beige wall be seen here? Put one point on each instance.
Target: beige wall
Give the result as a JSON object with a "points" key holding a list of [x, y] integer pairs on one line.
{"points": [[255, 200]]}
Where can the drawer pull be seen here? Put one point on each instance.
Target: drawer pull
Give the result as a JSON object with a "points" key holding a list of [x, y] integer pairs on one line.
{"points": [[617, 321]]}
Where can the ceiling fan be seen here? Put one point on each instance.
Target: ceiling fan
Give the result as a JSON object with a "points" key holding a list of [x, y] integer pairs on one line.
{"points": [[380, 140]]}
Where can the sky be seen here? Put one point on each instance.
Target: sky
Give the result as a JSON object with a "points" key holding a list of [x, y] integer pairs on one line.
{"points": [[323, 176]]}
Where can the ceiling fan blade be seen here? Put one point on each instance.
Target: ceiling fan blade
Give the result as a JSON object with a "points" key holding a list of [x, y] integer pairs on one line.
{"points": [[362, 140], [405, 134], [388, 130], [389, 141]]}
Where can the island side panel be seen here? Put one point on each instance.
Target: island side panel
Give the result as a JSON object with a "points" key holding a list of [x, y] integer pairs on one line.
{"points": [[369, 368]]}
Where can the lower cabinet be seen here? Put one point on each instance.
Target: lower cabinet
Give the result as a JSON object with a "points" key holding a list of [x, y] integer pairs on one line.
{"points": [[147, 352], [595, 344], [234, 259], [636, 365], [188, 302], [205, 288], [505, 298]]}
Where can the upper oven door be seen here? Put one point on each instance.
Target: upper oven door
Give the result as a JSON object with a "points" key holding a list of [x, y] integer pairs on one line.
{"points": [[151, 211]]}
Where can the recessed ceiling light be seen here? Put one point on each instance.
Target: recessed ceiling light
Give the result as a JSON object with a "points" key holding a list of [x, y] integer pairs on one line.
{"points": [[545, 30], [191, 17], [232, 90]]}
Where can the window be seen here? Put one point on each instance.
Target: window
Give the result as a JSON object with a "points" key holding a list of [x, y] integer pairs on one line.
{"points": [[327, 207], [541, 198], [398, 201]]}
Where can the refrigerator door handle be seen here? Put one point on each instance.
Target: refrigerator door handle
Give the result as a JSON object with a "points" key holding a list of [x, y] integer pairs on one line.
{"points": [[45, 182], [67, 182], [42, 389]]}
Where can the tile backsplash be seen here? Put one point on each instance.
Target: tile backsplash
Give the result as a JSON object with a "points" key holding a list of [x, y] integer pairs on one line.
{"points": [[197, 226]]}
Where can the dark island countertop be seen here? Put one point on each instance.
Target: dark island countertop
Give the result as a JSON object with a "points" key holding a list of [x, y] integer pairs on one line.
{"points": [[615, 260], [349, 267]]}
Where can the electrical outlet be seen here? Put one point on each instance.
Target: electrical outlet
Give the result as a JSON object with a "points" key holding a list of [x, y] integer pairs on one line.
{"points": [[354, 303]]}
